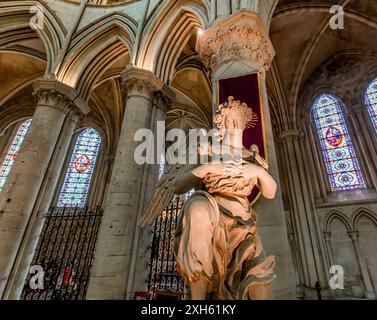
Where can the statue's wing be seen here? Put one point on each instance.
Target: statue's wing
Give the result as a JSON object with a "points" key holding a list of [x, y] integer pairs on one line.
{"points": [[162, 196]]}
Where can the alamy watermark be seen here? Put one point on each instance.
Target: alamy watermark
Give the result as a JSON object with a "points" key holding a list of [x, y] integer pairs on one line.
{"points": [[337, 20], [199, 146], [337, 277], [36, 281]]}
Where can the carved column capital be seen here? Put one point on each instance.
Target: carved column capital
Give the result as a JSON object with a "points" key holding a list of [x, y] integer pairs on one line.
{"points": [[163, 99], [289, 135], [291, 236], [327, 235], [75, 114], [240, 37], [140, 82], [60, 96], [354, 235], [358, 109]]}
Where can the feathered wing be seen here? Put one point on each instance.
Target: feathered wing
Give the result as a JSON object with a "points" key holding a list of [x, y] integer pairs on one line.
{"points": [[162, 196]]}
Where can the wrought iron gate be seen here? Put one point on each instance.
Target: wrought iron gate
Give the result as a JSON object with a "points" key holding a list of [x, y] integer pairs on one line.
{"points": [[164, 280], [65, 253]]}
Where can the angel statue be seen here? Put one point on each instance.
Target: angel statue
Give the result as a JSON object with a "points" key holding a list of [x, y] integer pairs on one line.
{"points": [[217, 247]]}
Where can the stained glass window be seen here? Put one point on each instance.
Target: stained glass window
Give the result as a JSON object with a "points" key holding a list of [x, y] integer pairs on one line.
{"points": [[77, 180], [12, 151], [341, 162], [371, 102]]}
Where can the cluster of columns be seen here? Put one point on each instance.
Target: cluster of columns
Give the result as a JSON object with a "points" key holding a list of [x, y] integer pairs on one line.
{"points": [[29, 187], [115, 273], [312, 265]]}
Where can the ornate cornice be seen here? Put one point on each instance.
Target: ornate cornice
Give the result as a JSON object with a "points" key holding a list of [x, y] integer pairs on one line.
{"points": [[240, 37], [58, 95]]}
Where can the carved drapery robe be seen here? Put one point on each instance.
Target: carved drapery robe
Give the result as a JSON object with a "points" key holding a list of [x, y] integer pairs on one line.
{"points": [[229, 253]]}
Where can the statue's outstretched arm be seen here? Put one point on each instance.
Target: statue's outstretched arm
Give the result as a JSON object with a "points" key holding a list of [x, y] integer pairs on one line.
{"points": [[266, 183]]}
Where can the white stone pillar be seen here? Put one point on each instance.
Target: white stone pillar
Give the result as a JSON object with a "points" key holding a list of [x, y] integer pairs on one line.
{"points": [[24, 185], [113, 268], [140, 271], [369, 292], [238, 46]]}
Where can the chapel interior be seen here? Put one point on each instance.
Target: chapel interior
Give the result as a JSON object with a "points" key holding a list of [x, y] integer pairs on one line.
{"points": [[79, 78]]}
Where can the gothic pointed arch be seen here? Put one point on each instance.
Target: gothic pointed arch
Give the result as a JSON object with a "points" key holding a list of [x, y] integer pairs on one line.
{"points": [[15, 28], [167, 31], [94, 49]]}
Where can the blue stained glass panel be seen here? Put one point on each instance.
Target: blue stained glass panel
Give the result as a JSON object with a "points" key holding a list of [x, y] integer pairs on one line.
{"points": [[11, 154], [341, 163], [371, 102], [79, 174]]}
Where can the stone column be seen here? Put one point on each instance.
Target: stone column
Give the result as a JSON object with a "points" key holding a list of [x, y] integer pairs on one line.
{"points": [[238, 46], [327, 236], [310, 243], [115, 252], [320, 184], [42, 205], [140, 269], [56, 101], [296, 262], [369, 292]]}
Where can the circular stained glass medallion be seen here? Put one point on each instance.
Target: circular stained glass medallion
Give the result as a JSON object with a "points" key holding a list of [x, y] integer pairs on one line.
{"points": [[334, 137], [82, 163]]}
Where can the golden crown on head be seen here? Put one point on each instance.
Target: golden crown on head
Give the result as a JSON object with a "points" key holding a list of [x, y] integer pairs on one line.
{"points": [[250, 116]]}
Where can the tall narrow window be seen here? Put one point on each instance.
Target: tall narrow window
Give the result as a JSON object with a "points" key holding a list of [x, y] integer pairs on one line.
{"points": [[371, 102], [342, 166], [79, 174], [12, 151]]}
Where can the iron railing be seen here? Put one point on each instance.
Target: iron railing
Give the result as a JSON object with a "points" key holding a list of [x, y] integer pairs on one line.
{"points": [[164, 280], [65, 253]]}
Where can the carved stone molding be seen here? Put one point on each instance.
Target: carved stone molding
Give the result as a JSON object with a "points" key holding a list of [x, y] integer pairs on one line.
{"points": [[58, 95], [288, 135], [75, 114], [241, 36], [358, 108], [140, 82], [354, 235], [163, 99]]}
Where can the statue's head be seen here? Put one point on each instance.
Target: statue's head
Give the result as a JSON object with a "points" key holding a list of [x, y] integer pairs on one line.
{"points": [[233, 115]]}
